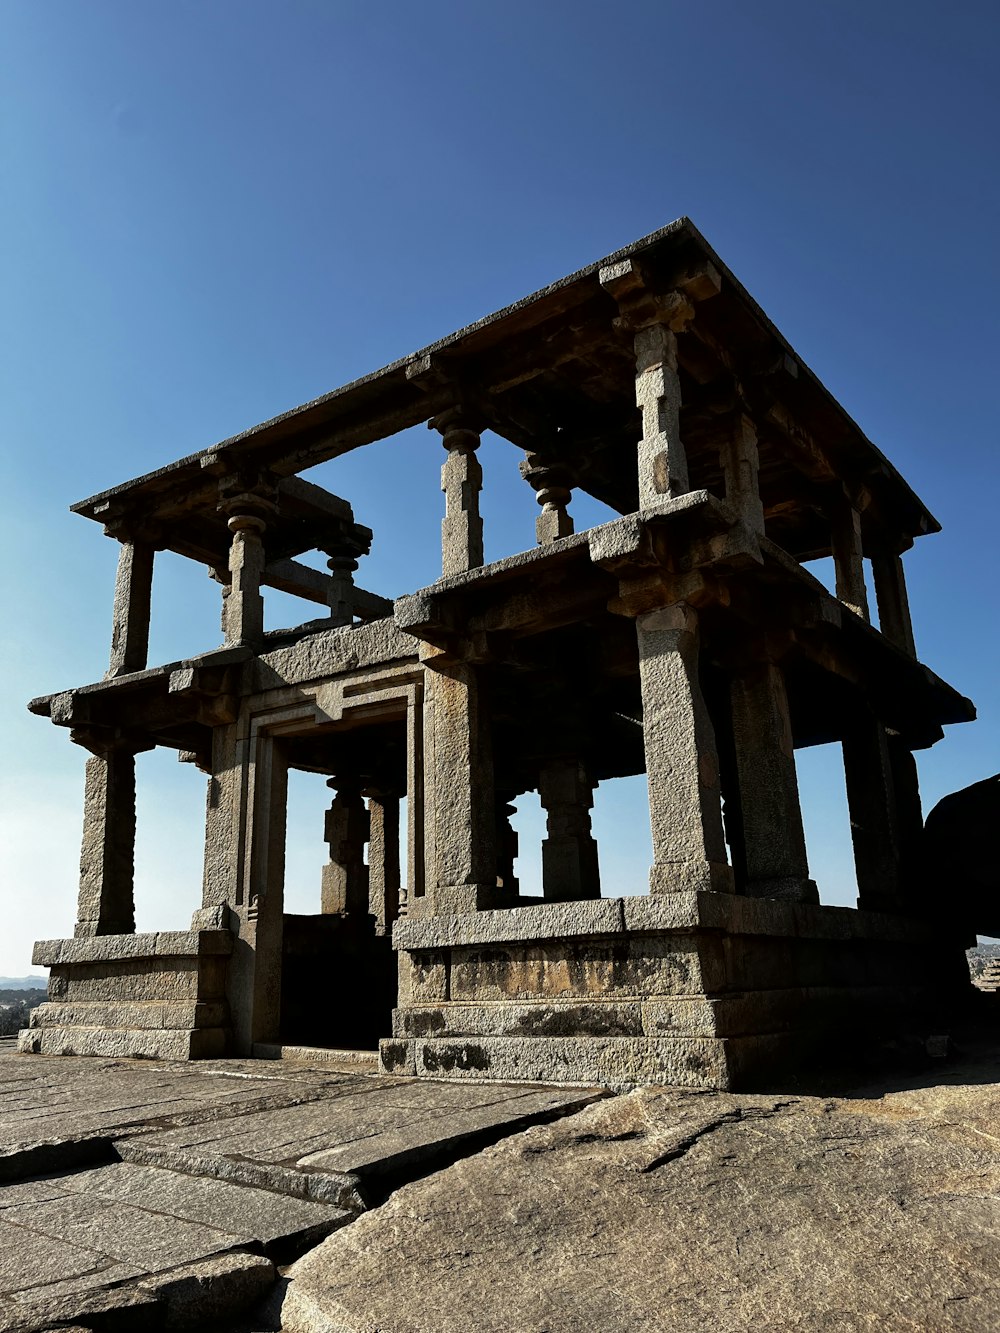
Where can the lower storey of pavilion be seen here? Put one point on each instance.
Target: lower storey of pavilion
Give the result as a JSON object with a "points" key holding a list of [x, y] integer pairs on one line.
{"points": [[601, 657], [697, 989]]}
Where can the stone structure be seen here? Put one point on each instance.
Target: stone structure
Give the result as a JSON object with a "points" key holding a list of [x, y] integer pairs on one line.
{"points": [[685, 639]]}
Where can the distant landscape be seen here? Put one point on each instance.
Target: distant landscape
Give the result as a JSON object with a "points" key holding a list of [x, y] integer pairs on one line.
{"points": [[984, 952], [18, 996]]}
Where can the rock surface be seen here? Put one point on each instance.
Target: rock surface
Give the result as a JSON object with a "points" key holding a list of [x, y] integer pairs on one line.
{"points": [[678, 1210]]}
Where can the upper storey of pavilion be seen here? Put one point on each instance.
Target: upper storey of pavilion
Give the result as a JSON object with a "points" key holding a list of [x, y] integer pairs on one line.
{"points": [[555, 374]]}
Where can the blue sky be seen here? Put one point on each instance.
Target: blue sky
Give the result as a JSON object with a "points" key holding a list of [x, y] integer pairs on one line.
{"points": [[216, 210]]}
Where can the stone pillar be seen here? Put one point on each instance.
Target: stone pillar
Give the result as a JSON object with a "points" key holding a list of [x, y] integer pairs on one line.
{"points": [[740, 463], [225, 829], [340, 594], [130, 623], [663, 469], [553, 490], [345, 876], [106, 903], [244, 606], [383, 858], [569, 854], [872, 805], [507, 848], [461, 481], [893, 604], [773, 839], [682, 769], [848, 556], [654, 320], [458, 786]]}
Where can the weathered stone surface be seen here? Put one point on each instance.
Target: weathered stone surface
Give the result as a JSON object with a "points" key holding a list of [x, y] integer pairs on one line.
{"points": [[546, 921], [130, 1013], [117, 1043], [686, 1211], [375, 1126], [162, 944], [56, 1111], [614, 1062], [201, 1295], [247, 1214]]}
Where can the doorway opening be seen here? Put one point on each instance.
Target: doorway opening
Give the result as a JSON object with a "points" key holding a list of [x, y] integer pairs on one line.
{"points": [[343, 884]]}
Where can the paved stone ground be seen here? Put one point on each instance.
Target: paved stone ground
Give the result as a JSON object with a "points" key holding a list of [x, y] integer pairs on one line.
{"points": [[136, 1189], [666, 1209]]}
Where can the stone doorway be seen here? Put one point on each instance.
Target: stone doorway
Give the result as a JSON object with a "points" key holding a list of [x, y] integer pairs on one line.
{"points": [[338, 968]]}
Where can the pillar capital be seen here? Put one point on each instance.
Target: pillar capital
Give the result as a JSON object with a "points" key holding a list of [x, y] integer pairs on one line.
{"points": [[552, 483], [640, 305], [111, 740], [253, 494]]}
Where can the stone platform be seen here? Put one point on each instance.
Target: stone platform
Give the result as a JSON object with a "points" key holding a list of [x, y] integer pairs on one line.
{"points": [[695, 989]]}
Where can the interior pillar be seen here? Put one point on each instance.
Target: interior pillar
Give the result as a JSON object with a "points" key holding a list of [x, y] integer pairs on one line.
{"points": [[345, 876], [773, 838], [874, 821], [383, 858], [570, 869]]}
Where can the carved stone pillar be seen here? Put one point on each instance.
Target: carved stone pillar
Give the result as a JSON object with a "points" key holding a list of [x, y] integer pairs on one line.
{"points": [[893, 603], [569, 853], [458, 787], [345, 876], [248, 502], [507, 849], [106, 901], [461, 481], [383, 858], [654, 320], [871, 799], [848, 556], [341, 590], [740, 463], [682, 769], [773, 839], [909, 820], [130, 623], [553, 490], [244, 607]]}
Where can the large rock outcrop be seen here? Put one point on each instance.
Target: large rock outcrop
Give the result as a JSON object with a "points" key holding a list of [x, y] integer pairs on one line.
{"points": [[667, 1210]]}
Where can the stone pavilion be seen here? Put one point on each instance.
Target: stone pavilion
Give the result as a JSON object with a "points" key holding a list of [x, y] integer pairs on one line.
{"points": [[685, 639]]}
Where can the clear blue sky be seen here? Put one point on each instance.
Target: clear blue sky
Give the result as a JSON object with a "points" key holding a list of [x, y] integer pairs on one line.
{"points": [[216, 210]]}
